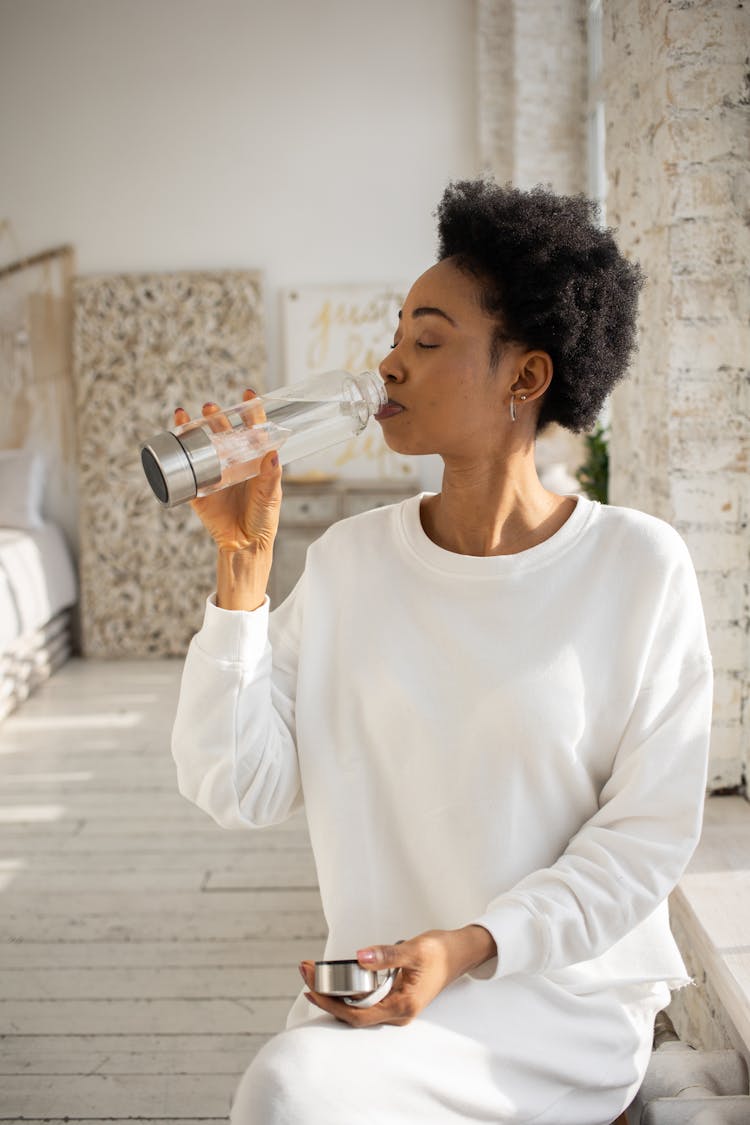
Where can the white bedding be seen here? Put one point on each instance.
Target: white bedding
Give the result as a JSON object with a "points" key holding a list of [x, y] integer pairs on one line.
{"points": [[37, 580]]}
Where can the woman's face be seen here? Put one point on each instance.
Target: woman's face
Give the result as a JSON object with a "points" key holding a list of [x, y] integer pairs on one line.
{"points": [[438, 371]]}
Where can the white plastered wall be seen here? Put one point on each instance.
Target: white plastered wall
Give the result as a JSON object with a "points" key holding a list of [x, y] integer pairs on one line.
{"points": [[311, 140]]}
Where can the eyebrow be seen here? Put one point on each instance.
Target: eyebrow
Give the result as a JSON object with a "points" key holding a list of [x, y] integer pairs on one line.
{"points": [[430, 310]]}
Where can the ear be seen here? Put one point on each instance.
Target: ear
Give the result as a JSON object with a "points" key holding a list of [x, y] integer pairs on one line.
{"points": [[533, 375]]}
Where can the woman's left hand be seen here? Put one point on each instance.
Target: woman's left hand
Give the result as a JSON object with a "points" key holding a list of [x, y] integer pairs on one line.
{"points": [[428, 963]]}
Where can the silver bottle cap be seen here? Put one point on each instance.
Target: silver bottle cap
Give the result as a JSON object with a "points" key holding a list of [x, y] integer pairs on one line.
{"points": [[344, 978], [177, 467]]}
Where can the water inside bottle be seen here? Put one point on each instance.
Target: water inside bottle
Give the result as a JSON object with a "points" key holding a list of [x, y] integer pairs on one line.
{"points": [[236, 447], [313, 426], [295, 427]]}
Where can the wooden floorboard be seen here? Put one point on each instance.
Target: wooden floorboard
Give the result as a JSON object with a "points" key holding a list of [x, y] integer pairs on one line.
{"points": [[146, 954]]}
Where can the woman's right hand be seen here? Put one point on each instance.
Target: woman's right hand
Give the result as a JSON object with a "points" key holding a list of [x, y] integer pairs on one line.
{"points": [[243, 516]]}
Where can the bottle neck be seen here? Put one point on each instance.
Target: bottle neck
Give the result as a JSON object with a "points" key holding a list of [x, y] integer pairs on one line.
{"points": [[373, 390]]}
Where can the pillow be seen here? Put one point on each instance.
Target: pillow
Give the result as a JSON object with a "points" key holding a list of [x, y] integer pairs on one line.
{"points": [[21, 488]]}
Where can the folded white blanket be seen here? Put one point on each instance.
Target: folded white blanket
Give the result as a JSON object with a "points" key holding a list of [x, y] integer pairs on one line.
{"points": [[37, 579]]}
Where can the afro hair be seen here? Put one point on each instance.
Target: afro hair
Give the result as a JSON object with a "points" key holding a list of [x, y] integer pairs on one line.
{"points": [[554, 279]]}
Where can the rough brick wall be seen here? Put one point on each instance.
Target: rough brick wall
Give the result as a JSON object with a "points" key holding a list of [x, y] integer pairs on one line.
{"points": [[678, 164]]}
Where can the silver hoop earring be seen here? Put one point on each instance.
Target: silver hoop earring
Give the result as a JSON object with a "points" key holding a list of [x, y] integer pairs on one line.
{"points": [[513, 406]]}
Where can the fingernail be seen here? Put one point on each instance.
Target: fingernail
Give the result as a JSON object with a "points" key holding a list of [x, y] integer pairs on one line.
{"points": [[208, 405], [365, 954], [274, 461], [178, 410], [302, 973]]}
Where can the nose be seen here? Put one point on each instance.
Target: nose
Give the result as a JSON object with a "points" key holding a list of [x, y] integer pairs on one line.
{"points": [[391, 367]]}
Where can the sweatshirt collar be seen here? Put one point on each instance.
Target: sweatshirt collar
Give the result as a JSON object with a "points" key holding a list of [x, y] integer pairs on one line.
{"points": [[449, 562]]}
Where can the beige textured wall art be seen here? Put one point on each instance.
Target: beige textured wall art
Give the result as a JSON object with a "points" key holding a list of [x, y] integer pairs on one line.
{"points": [[144, 344]]}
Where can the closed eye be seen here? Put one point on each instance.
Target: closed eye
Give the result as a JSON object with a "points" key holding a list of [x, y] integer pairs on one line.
{"points": [[419, 345]]}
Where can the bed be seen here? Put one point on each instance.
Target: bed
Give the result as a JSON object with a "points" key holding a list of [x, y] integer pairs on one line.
{"points": [[38, 587]]}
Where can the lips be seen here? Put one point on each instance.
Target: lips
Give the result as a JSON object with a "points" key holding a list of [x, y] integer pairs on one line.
{"points": [[389, 410]]}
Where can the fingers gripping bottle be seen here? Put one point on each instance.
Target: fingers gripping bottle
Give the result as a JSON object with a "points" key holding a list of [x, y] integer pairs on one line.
{"points": [[208, 454]]}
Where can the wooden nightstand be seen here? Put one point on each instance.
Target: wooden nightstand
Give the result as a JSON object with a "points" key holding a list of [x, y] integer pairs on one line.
{"points": [[309, 507]]}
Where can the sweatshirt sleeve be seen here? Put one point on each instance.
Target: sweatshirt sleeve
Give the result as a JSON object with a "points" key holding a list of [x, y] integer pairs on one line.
{"points": [[234, 736], [626, 859]]}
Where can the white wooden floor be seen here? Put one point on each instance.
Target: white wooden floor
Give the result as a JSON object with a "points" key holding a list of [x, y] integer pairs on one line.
{"points": [[145, 953]]}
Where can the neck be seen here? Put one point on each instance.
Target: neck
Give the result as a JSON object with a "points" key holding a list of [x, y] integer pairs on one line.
{"points": [[487, 508]]}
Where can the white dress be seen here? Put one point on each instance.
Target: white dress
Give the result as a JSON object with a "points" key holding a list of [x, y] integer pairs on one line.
{"points": [[518, 741]]}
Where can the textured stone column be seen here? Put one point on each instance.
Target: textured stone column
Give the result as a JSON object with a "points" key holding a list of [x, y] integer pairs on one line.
{"points": [[531, 64], [550, 94], [496, 88], [678, 167]]}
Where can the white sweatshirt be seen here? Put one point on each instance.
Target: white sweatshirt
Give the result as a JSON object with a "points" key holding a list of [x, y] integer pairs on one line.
{"points": [[518, 741]]}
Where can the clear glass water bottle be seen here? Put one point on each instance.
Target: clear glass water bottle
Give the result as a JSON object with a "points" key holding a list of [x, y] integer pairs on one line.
{"points": [[208, 454]]}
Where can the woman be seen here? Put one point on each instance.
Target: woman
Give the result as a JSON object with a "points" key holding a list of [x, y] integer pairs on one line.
{"points": [[493, 701]]}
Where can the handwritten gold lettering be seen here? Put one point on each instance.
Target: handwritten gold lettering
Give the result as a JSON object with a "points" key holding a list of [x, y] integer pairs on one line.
{"points": [[320, 327], [373, 320]]}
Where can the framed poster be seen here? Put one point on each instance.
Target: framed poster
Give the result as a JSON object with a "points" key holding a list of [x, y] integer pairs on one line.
{"points": [[349, 328]]}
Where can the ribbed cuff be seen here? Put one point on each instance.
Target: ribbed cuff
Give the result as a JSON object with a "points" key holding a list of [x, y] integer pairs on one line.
{"points": [[234, 636], [520, 939]]}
